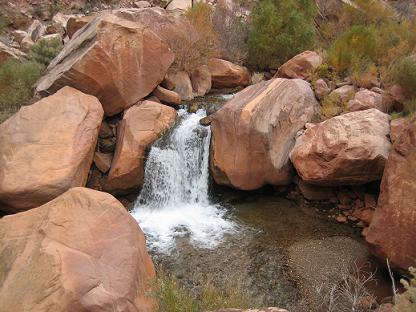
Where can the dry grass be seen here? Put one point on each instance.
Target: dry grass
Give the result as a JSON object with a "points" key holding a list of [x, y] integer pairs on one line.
{"points": [[350, 293], [171, 296]]}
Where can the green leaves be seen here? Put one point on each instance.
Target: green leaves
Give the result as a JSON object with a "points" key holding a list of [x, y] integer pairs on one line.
{"points": [[279, 31]]}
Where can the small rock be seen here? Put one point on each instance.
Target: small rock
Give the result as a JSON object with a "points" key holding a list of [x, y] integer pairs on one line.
{"points": [[206, 121], [7, 52], [341, 219], [107, 145], [370, 201], [36, 30], [103, 161], [321, 89], [142, 4], [105, 131], [201, 80], [396, 128], [364, 215], [167, 96], [300, 66]]}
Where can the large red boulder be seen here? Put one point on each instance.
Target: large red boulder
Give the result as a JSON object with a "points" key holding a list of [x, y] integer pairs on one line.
{"points": [[142, 124], [253, 134], [344, 150], [47, 148], [118, 61], [392, 231], [79, 252]]}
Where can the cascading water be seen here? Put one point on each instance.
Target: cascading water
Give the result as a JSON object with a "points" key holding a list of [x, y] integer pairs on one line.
{"points": [[174, 201]]}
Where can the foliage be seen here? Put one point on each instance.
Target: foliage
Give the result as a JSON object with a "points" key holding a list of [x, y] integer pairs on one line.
{"points": [[232, 33], [44, 51], [4, 23], [279, 31], [356, 45], [406, 302], [197, 44], [173, 297], [16, 80], [331, 106], [404, 74]]}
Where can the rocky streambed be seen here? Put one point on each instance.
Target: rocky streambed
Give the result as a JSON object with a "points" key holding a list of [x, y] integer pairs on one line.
{"points": [[280, 252]]}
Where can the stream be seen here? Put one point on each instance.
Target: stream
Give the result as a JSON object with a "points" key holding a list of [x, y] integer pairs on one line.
{"points": [[279, 250]]}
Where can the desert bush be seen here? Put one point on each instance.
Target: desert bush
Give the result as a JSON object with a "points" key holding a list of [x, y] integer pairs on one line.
{"points": [[232, 33], [348, 292], [280, 30], [331, 106], [171, 296], [197, 44], [356, 46], [404, 74], [16, 81], [406, 302], [44, 51]]}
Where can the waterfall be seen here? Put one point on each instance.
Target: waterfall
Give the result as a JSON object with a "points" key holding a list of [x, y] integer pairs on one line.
{"points": [[174, 200]]}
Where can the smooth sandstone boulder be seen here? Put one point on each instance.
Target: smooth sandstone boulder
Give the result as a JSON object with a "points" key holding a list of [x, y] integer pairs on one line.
{"points": [[253, 134], [142, 124], [81, 251], [227, 75], [300, 66], [47, 148], [345, 150], [392, 231], [201, 80], [116, 60]]}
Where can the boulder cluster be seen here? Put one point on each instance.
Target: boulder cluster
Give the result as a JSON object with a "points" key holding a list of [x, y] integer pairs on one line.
{"points": [[273, 133], [109, 94]]}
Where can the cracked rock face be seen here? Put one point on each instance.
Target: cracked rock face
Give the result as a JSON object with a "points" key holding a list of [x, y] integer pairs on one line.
{"points": [[80, 252], [253, 134], [47, 148], [118, 61]]}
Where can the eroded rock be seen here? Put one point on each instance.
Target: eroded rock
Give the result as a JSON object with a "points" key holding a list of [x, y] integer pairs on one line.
{"points": [[116, 60], [344, 150], [392, 231], [300, 66], [79, 252], [142, 124], [253, 134], [47, 148]]}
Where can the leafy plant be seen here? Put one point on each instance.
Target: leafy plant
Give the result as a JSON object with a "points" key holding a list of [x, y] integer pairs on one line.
{"points": [[404, 73], [279, 31], [44, 51], [352, 48], [16, 81]]}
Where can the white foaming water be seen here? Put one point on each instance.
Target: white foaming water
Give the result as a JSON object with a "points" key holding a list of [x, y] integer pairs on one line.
{"points": [[174, 200]]}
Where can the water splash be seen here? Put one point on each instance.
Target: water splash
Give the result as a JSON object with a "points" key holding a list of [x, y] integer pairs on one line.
{"points": [[174, 201]]}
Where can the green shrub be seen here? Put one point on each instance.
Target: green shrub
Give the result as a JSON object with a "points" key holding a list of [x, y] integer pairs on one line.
{"points": [[44, 51], [16, 81], [170, 296], [279, 31], [406, 302], [404, 74], [355, 46]]}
